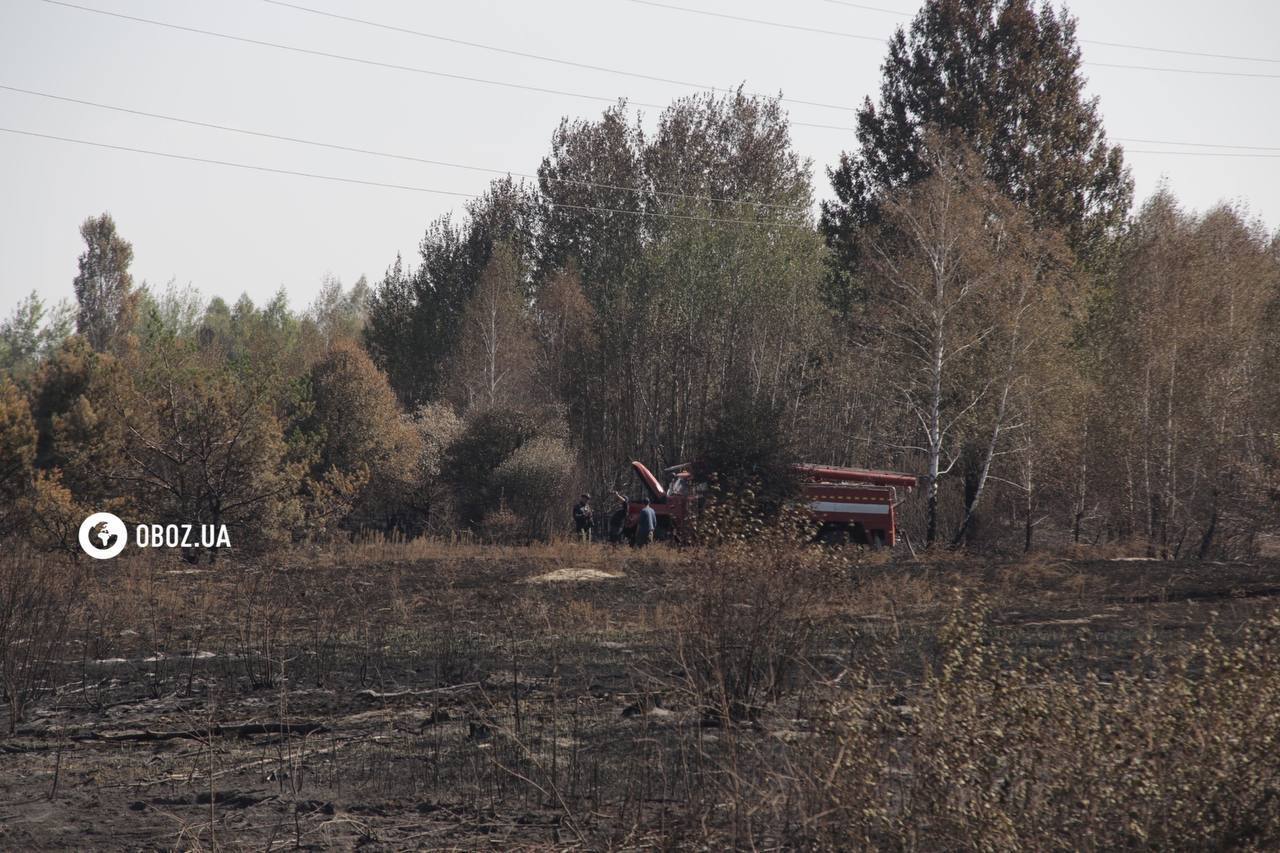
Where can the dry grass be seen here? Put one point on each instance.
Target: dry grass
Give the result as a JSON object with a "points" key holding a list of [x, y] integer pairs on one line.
{"points": [[755, 694]]}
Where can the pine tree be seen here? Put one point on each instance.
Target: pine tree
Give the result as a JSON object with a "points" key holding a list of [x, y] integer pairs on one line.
{"points": [[414, 316], [1005, 79]]}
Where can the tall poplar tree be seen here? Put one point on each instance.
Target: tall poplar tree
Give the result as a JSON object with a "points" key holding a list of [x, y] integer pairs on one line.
{"points": [[104, 287]]}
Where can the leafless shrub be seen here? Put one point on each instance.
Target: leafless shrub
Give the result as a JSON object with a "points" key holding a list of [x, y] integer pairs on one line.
{"points": [[751, 619], [262, 612], [38, 599]]}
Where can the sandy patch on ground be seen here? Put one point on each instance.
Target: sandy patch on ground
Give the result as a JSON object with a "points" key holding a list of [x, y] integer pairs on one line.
{"points": [[574, 573]]}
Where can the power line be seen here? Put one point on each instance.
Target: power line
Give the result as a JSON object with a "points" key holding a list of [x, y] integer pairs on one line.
{"points": [[570, 181], [1124, 45], [380, 64], [777, 24], [847, 35], [1196, 153], [388, 185], [590, 67], [539, 57], [1197, 144], [897, 12], [1167, 70], [407, 157], [1181, 52]]}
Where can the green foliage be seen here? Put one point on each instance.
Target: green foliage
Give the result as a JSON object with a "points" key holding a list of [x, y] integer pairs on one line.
{"points": [[685, 311], [489, 437], [494, 362], [1005, 79], [62, 380], [415, 316], [17, 457], [32, 333], [339, 315], [748, 452], [263, 344], [438, 427], [537, 481], [364, 442], [176, 312], [666, 296], [205, 446], [104, 287]]}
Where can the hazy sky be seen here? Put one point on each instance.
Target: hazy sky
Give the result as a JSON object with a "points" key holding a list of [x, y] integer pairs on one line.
{"points": [[228, 231]]}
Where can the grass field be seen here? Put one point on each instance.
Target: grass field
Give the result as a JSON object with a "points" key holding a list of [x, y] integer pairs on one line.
{"points": [[424, 695]]}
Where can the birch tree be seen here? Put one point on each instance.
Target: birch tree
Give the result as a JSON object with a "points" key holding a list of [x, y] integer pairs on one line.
{"points": [[961, 299], [494, 361]]}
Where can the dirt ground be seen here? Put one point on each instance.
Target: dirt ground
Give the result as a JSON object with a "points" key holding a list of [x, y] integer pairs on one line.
{"points": [[478, 698]]}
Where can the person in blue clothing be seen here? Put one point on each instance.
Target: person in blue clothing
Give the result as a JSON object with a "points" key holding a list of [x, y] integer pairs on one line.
{"points": [[646, 526]]}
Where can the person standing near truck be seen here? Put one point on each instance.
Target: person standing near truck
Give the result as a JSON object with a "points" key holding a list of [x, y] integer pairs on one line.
{"points": [[646, 526], [618, 518], [583, 517]]}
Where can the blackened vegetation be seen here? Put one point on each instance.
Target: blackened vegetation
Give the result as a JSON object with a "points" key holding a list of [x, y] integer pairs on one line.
{"points": [[764, 693]]}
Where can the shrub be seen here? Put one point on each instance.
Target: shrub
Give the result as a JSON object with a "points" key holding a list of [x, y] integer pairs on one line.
{"points": [[537, 481], [438, 427], [751, 623], [514, 458], [55, 514], [999, 752], [363, 439], [17, 454], [503, 527]]}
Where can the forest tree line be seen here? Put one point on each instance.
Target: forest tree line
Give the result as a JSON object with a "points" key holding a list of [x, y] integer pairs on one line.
{"points": [[979, 303]]}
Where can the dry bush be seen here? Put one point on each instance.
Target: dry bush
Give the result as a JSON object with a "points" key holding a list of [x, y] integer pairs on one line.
{"points": [[263, 607], [38, 600], [751, 620], [998, 752], [503, 527], [1178, 751]]}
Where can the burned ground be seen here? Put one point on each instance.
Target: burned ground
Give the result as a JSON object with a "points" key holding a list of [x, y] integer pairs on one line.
{"points": [[400, 697]]}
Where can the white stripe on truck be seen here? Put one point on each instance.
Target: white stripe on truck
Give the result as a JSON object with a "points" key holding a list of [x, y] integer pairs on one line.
{"points": [[865, 509]]}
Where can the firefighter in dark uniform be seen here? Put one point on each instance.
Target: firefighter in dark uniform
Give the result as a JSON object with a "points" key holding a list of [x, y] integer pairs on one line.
{"points": [[583, 517]]}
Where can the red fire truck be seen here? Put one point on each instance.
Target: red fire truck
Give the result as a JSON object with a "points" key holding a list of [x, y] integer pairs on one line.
{"points": [[851, 505]]}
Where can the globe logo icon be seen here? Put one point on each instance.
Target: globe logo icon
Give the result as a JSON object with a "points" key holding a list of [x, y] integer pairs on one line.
{"points": [[103, 535]]}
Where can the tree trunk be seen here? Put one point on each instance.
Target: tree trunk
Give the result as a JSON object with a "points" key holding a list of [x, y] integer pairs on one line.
{"points": [[935, 442]]}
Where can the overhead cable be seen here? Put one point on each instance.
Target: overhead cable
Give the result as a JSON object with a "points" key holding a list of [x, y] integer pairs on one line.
{"points": [[379, 63], [388, 185], [407, 157]]}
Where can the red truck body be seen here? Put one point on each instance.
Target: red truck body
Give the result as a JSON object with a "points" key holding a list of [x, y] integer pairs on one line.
{"points": [[852, 505]]}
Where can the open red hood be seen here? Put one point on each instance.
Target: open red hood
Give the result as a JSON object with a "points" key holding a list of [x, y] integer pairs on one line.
{"points": [[651, 482]]}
